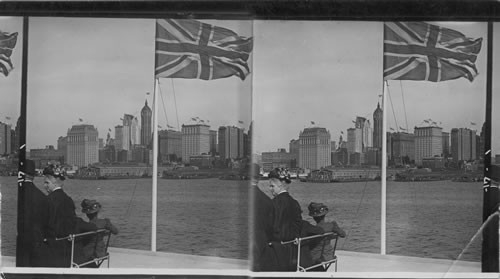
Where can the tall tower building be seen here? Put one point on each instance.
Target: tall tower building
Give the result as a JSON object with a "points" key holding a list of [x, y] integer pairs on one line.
{"points": [[294, 147], [170, 145], [131, 123], [62, 147], [82, 145], [146, 126], [377, 127], [231, 142], [403, 146], [122, 141], [463, 144], [5, 139], [354, 140], [213, 142], [446, 144], [314, 148], [428, 143], [195, 140]]}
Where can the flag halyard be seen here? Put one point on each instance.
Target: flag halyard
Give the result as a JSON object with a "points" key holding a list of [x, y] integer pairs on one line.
{"points": [[192, 49], [422, 51], [7, 44]]}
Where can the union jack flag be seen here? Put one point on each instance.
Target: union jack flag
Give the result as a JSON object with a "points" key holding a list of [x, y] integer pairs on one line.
{"points": [[422, 51], [7, 44], [191, 49]]}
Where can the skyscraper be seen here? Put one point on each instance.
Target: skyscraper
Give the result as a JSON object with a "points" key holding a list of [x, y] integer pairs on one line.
{"points": [[366, 132], [131, 123], [446, 144], [146, 126], [82, 145], [122, 141], [354, 140], [314, 148], [377, 127], [463, 144], [231, 142], [428, 143], [170, 145], [5, 139], [195, 140], [213, 142], [403, 147]]}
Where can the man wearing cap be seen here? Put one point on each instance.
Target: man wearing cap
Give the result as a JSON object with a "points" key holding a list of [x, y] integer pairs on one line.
{"points": [[35, 220]]}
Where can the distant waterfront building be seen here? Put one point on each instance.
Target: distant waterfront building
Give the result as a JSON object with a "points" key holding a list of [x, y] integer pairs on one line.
{"points": [[446, 144], [279, 159], [377, 127], [403, 146], [293, 146], [372, 156], [62, 147], [122, 138], [340, 157], [428, 143], [82, 145], [334, 145], [230, 142], [107, 154], [478, 147], [354, 140], [5, 139], [146, 125], [170, 145], [213, 142], [366, 132], [44, 156], [314, 148], [247, 145], [131, 124], [463, 144], [195, 140]]}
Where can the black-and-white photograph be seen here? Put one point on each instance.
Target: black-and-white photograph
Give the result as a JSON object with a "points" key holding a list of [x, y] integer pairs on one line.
{"points": [[321, 94], [91, 91], [252, 145]]}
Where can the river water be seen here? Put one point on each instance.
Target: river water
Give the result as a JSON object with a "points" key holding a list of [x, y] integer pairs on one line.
{"points": [[210, 216]]}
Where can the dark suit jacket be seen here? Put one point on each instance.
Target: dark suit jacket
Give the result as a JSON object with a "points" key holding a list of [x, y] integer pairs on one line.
{"points": [[61, 223], [35, 220], [286, 223]]}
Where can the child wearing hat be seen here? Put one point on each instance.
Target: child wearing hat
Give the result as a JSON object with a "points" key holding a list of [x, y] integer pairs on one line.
{"points": [[92, 250], [318, 211]]}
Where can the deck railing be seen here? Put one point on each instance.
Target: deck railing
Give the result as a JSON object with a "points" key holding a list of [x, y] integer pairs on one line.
{"points": [[97, 260]]}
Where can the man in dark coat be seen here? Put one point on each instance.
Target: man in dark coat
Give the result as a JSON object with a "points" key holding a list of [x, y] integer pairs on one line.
{"points": [[286, 219], [62, 219], [263, 256], [35, 220]]}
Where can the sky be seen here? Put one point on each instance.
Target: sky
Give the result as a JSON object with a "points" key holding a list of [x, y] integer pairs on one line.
{"points": [[100, 69], [328, 72]]}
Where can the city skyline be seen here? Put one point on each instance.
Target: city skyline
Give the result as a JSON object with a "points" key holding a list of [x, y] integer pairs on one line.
{"points": [[110, 75], [342, 79], [297, 77]]}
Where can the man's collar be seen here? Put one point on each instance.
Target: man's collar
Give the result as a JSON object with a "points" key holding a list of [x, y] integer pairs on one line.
{"points": [[284, 191], [55, 189]]}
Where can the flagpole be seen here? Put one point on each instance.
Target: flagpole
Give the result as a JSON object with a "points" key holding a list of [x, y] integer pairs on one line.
{"points": [[490, 245], [383, 177], [21, 257], [154, 191]]}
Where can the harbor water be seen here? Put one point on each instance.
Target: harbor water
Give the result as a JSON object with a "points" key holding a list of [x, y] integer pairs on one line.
{"points": [[435, 219]]}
